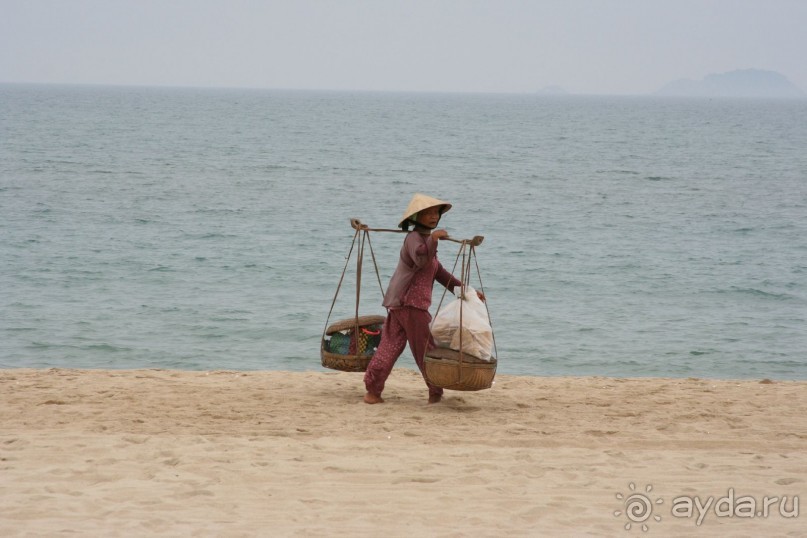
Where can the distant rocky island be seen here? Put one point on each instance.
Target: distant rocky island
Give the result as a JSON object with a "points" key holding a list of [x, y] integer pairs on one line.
{"points": [[740, 83]]}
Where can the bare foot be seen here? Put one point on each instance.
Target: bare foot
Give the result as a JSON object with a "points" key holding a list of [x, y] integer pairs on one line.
{"points": [[372, 399], [435, 398]]}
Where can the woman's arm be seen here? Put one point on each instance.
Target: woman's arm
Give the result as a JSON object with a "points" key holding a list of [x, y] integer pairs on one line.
{"points": [[446, 279], [419, 249]]}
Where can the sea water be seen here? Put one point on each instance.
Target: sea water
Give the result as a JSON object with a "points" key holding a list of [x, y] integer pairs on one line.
{"points": [[209, 228]]}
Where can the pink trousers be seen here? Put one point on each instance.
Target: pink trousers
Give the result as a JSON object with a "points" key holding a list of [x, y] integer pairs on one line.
{"points": [[402, 325]]}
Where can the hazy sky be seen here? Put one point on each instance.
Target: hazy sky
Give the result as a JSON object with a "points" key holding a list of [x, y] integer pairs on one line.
{"points": [[585, 46]]}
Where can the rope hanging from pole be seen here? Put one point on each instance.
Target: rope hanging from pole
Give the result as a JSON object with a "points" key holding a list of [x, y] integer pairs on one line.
{"points": [[362, 332]]}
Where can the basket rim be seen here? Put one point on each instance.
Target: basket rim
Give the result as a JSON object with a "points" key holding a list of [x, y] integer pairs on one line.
{"points": [[447, 354], [349, 323]]}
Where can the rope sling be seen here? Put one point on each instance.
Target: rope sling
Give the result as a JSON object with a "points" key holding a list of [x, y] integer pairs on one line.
{"points": [[349, 344]]}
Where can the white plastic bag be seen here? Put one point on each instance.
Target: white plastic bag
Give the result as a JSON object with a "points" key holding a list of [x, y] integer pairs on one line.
{"points": [[476, 334]]}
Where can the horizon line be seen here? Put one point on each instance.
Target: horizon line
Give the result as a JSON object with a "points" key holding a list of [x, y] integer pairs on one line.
{"points": [[535, 93]]}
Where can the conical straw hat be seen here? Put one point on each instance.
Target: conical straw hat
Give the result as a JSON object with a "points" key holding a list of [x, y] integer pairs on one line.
{"points": [[420, 202]]}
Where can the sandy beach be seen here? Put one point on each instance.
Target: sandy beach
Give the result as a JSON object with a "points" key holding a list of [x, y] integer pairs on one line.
{"points": [[170, 453]]}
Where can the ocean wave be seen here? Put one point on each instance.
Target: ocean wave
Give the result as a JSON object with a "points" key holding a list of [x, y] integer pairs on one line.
{"points": [[754, 292], [209, 235], [105, 348], [619, 171]]}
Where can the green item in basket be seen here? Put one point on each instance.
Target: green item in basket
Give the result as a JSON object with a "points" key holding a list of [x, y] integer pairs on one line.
{"points": [[339, 343]]}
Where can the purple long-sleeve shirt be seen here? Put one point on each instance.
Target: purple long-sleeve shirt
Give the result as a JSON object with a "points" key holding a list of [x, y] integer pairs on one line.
{"points": [[418, 268]]}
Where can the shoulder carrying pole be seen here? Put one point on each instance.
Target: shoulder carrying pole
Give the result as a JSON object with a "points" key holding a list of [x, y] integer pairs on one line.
{"points": [[358, 225]]}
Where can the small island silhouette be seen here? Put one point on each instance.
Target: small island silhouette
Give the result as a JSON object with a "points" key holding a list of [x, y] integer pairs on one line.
{"points": [[739, 83]]}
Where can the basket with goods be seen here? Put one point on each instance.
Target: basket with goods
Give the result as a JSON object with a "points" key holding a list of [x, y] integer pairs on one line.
{"points": [[465, 356], [349, 344]]}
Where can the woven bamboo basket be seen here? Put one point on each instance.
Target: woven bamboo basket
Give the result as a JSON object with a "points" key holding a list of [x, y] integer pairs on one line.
{"points": [[347, 362], [445, 368]]}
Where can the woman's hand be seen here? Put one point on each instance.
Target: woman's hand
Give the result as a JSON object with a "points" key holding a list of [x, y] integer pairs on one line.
{"points": [[439, 234], [479, 294]]}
